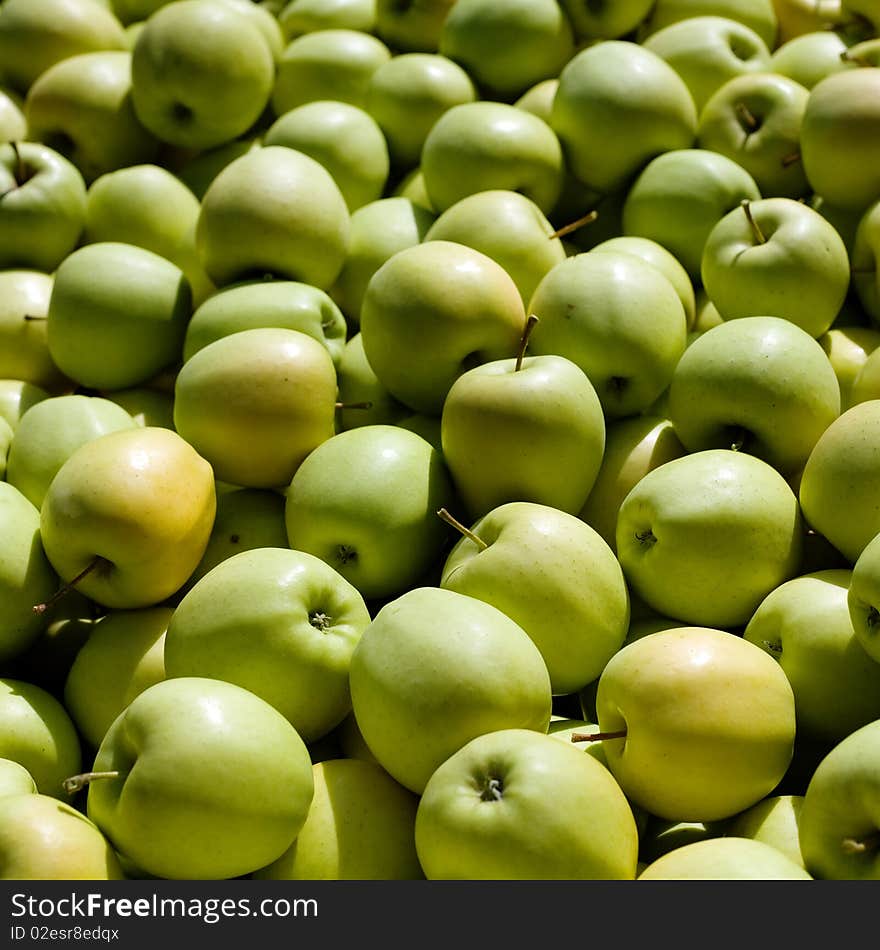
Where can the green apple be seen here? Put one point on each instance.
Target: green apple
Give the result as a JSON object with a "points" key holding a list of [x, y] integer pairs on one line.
{"points": [[838, 141], [839, 826], [223, 796], [24, 352], [328, 64], [16, 397], [378, 529], [433, 311], [848, 350], [633, 447], [755, 120], [5, 442], [13, 125], [122, 657], [378, 230], [758, 15], [200, 95], [414, 26], [478, 146], [805, 625], [408, 94], [810, 56], [15, 779], [50, 432], [686, 747], [772, 255], [840, 481], [707, 536], [147, 406], [117, 315], [618, 106], [38, 733], [82, 107], [508, 227], [605, 19], [42, 207], [708, 51], [862, 599], [523, 430], [865, 254], [134, 510], [280, 304], [345, 139], [219, 410], [422, 688], [280, 623], [760, 383], [661, 836], [412, 186], [266, 23], [363, 399], [42, 839], [799, 17], [36, 34], [273, 211], [619, 319], [307, 16], [502, 808], [680, 196], [725, 859], [533, 556], [360, 827], [774, 821], [200, 169], [866, 385], [507, 47], [538, 99]]}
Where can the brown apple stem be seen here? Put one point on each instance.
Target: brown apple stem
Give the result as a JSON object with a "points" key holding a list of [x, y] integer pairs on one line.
{"points": [[524, 342], [449, 519], [575, 225], [744, 113], [791, 159], [862, 845], [746, 205], [847, 57], [77, 783], [354, 405], [33, 316], [597, 736], [20, 170], [70, 585]]}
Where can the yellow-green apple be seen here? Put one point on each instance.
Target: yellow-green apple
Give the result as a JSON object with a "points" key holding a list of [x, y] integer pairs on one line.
{"points": [[724, 859], [273, 211], [412, 186], [605, 19], [122, 657], [848, 350], [36, 34], [618, 106], [433, 311], [866, 385], [865, 255], [552, 574], [82, 107], [679, 738], [16, 397], [282, 304], [223, 796], [414, 26], [368, 401], [777, 256], [42, 839], [865, 13], [147, 406], [266, 22], [508, 227], [24, 352], [5, 441], [297, 17], [48, 434], [379, 529], [204, 94], [810, 56], [200, 169], [15, 779], [619, 319], [755, 120], [538, 99], [863, 599], [408, 94], [38, 733], [523, 430], [680, 196], [328, 64], [280, 623], [134, 510], [26, 577], [774, 821], [42, 206], [360, 827], [117, 315], [13, 125], [661, 836], [479, 146], [758, 15], [423, 683], [507, 47], [785, 393], [799, 17], [501, 808], [805, 624], [219, 410], [707, 536], [839, 827], [839, 484]]}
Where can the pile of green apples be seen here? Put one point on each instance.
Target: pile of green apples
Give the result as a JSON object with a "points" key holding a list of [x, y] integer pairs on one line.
{"points": [[440, 439]]}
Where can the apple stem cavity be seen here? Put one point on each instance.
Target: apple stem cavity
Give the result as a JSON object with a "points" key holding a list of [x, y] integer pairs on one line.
{"points": [[646, 537], [747, 117], [791, 159], [597, 736], [588, 218], [746, 205], [444, 515], [95, 563], [492, 789], [77, 783], [524, 342]]}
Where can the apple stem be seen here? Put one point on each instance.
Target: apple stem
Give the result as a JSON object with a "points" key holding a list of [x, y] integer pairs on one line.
{"points": [[69, 586], [354, 405], [862, 845], [32, 316], [597, 736], [524, 341], [848, 57], [791, 159], [77, 783], [449, 519], [746, 205], [20, 171], [575, 225], [744, 113]]}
